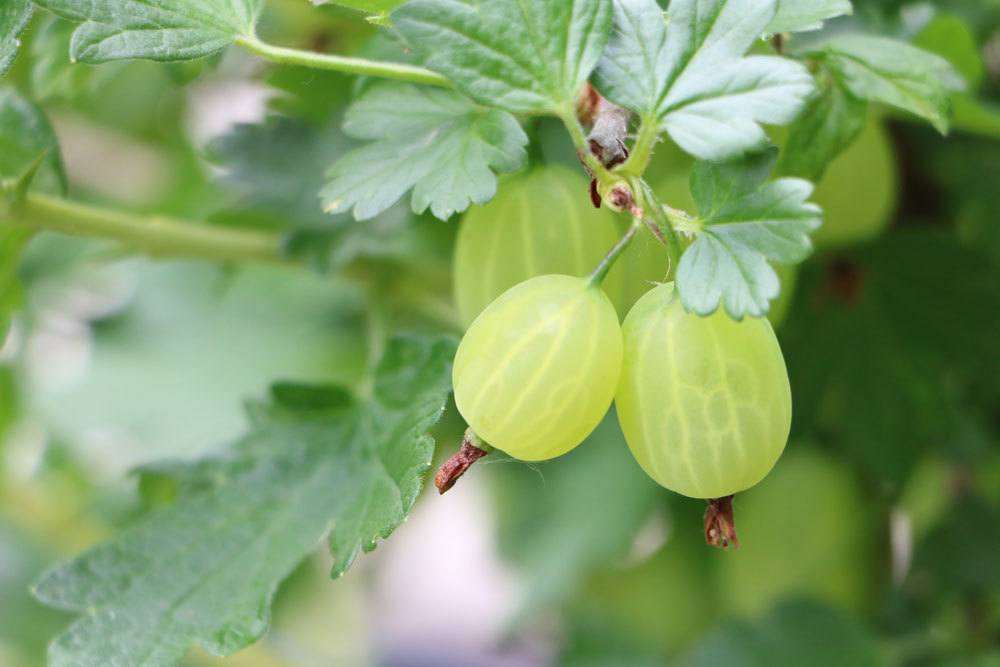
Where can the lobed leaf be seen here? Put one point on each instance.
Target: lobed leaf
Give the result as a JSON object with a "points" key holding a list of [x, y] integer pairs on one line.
{"points": [[892, 72], [520, 55], [744, 222], [205, 568], [830, 123], [14, 15], [803, 15], [154, 29], [685, 71], [437, 142]]}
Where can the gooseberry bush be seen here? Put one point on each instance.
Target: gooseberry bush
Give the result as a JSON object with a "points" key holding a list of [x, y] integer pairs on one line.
{"points": [[631, 183]]}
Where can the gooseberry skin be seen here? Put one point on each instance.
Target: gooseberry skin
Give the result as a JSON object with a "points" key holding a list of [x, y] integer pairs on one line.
{"points": [[704, 402], [541, 222], [537, 370]]}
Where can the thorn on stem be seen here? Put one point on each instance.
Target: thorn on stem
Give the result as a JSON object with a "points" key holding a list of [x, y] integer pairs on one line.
{"points": [[456, 466], [720, 525]]}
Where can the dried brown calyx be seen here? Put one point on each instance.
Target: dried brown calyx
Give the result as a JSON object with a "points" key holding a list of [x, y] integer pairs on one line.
{"points": [[720, 525], [451, 470]]}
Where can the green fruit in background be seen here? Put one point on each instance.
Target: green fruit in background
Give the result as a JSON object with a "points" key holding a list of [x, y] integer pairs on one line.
{"points": [[859, 190], [704, 402], [536, 371], [802, 533], [540, 223], [644, 264], [788, 275]]}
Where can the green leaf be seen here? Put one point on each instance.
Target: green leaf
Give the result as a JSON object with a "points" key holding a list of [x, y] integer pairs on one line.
{"points": [[14, 15], [892, 72], [29, 159], [951, 38], [830, 123], [794, 633], [520, 55], [25, 134], [378, 7], [882, 294], [205, 568], [556, 521], [435, 141], [802, 15], [744, 222], [685, 71], [162, 30]]}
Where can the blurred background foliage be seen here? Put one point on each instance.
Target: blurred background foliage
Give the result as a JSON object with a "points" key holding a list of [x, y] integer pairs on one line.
{"points": [[875, 541]]}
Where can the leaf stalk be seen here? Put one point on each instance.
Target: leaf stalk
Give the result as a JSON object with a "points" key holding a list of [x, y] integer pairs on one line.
{"points": [[348, 64]]}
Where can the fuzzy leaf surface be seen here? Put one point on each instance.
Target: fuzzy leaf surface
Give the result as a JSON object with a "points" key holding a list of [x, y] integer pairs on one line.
{"points": [[315, 461], [437, 142], [520, 55], [14, 15], [685, 70], [744, 222], [162, 30]]}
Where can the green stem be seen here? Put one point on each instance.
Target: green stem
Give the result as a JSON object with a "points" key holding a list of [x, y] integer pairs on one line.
{"points": [[579, 138], [642, 151], [350, 65], [652, 207], [597, 277], [155, 236]]}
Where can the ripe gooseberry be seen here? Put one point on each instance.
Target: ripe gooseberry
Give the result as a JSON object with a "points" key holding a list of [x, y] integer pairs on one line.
{"points": [[537, 370]]}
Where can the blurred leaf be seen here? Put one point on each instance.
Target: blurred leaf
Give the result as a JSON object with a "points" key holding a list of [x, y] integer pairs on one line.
{"points": [[557, 523], [686, 72], [591, 643], [951, 38], [162, 30], [29, 158], [278, 166], [25, 134], [527, 57], [14, 15], [830, 123], [958, 555], [53, 75], [377, 7], [795, 633], [879, 348], [744, 221], [205, 569], [24, 623], [801, 15], [434, 141], [887, 70]]}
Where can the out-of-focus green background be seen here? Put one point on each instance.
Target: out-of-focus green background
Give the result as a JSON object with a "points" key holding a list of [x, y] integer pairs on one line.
{"points": [[875, 541]]}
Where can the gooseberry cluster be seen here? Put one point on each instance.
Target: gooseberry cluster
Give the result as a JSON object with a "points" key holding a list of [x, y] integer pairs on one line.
{"points": [[704, 403]]}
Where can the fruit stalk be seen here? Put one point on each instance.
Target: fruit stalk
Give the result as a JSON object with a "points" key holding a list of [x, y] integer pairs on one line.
{"points": [[597, 277]]}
